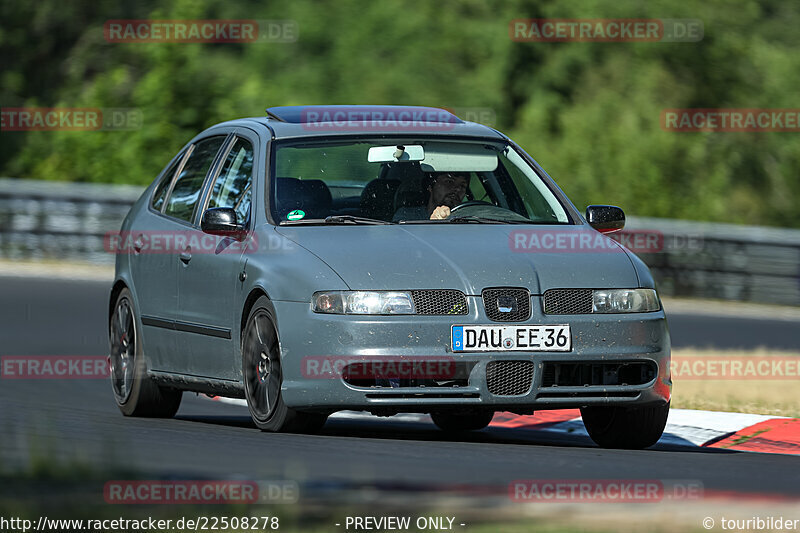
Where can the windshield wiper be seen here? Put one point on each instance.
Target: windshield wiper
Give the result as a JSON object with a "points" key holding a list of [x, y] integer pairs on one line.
{"points": [[352, 219], [474, 219], [334, 219]]}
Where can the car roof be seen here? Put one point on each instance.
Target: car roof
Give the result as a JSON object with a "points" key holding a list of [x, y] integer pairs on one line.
{"points": [[344, 120]]}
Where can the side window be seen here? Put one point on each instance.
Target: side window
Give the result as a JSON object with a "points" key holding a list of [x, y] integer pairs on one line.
{"points": [[187, 187], [538, 201], [160, 194], [232, 188], [243, 206], [477, 188]]}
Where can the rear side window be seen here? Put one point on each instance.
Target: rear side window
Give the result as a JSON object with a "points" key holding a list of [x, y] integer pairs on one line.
{"points": [[232, 188], [186, 190], [160, 194]]}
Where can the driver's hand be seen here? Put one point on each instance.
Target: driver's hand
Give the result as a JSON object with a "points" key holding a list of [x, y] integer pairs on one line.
{"points": [[440, 213]]}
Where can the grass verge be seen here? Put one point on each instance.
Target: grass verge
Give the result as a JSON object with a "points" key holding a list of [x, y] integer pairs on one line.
{"points": [[700, 381]]}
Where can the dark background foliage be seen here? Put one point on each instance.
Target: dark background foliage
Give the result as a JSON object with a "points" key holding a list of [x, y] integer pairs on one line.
{"points": [[588, 112]]}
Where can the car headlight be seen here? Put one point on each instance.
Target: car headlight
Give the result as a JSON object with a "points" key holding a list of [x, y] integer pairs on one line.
{"points": [[625, 301], [363, 302]]}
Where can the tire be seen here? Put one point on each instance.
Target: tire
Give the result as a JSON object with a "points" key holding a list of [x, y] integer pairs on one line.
{"points": [[629, 428], [457, 423], [135, 393], [261, 372]]}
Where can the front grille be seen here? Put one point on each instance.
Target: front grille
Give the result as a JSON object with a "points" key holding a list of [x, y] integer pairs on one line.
{"points": [[495, 299], [440, 302], [568, 301], [509, 378]]}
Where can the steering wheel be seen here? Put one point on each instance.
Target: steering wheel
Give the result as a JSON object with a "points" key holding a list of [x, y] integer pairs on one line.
{"points": [[470, 203]]}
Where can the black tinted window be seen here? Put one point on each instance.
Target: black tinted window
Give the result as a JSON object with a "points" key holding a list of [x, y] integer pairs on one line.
{"points": [[163, 185], [232, 188], [187, 187]]}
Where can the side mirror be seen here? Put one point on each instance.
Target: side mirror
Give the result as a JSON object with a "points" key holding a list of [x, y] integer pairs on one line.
{"points": [[222, 221], [605, 218]]}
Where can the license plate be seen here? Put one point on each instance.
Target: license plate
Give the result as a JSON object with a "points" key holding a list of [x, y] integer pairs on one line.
{"points": [[511, 338]]}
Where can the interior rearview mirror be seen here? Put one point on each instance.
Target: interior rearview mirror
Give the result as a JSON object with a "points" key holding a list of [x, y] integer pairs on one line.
{"points": [[396, 154]]}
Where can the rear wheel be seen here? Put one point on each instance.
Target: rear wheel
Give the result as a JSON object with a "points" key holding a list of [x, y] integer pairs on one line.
{"points": [[261, 370], [135, 393], [462, 422], [631, 428]]}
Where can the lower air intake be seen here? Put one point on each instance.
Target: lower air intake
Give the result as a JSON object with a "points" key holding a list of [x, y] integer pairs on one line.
{"points": [[509, 378]]}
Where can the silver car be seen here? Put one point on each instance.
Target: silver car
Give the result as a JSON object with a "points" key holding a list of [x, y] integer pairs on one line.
{"points": [[385, 259]]}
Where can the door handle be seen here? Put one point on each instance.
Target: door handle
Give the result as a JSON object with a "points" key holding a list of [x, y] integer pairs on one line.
{"points": [[186, 255], [138, 244]]}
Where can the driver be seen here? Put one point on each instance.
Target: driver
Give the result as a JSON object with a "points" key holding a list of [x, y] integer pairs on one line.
{"points": [[445, 191]]}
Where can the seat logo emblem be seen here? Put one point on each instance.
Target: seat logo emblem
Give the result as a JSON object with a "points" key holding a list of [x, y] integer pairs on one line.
{"points": [[506, 304]]}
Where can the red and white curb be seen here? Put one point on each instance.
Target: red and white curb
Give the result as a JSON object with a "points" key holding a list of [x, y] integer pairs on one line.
{"points": [[685, 427]]}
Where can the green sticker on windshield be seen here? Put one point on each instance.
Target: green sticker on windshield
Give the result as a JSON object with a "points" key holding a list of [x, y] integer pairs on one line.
{"points": [[296, 215]]}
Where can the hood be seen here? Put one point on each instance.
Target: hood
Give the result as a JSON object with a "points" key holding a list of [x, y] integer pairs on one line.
{"points": [[468, 257]]}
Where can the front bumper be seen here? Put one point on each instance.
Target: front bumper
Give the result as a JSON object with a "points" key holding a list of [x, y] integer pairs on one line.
{"points": [[597, 339]]}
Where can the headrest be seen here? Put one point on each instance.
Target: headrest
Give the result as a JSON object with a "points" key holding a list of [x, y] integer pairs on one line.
{"points": [[377, 198], [310, 196]]}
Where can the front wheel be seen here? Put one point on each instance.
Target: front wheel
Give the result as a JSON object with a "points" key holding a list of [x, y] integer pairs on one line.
{"points": [[462, 422], [134, 392], [261, 370], [631, 428]]}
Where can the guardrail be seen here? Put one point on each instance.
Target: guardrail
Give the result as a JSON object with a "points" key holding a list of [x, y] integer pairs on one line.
{"points": [[724, 261], [42, 220]]}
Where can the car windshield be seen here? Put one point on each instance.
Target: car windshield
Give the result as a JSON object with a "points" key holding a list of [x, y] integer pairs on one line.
{"points": [[352, 182]]}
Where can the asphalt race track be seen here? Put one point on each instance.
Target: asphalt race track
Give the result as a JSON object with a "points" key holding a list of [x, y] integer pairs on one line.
{"points": [[77, 419]]}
